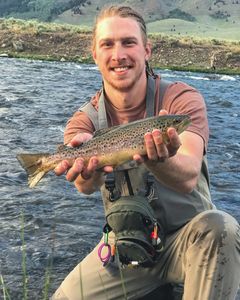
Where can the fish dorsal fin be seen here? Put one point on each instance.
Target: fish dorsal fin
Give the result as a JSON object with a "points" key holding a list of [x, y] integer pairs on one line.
{"points": [[61, 148], [103, 131]]}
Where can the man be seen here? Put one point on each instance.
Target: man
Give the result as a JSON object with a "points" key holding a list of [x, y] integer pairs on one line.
{"points": [[201, 244]]}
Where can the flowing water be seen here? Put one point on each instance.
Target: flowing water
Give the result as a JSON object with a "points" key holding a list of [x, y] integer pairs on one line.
{"points": [[60, 225]]}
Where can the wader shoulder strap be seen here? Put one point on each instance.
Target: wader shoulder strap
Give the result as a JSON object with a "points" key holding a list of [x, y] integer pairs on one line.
{"points": [[102, 115], [150, 97], [91, 112], [99, 118], [162, 89]]}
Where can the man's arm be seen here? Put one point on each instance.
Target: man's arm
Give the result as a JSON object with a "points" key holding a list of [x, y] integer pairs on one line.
{"points": [[180, 171], [178, 164]]}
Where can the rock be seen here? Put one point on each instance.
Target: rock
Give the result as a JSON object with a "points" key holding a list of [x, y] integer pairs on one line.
{"points": [[18, 46], [4, 55]]}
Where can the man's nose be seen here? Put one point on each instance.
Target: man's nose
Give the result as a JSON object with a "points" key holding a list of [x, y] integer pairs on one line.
{"points": [[118, 52]]}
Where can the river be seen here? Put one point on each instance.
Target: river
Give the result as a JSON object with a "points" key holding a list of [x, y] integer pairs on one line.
{"points": [[60, 225]]}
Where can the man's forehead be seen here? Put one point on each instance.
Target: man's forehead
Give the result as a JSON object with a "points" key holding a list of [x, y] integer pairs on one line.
{"points": [[113, 26]]}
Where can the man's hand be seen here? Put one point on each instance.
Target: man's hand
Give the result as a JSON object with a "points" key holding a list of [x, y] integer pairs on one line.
{"points": [[78, 166], [79, 172], [182, 158], [157, 150]]}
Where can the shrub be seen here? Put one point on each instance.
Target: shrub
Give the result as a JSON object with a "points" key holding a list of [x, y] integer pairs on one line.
{"points": [[179, 14]]}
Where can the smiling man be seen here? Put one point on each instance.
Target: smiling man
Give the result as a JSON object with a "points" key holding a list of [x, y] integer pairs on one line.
{"points": [[189, 241], [120, 53]]}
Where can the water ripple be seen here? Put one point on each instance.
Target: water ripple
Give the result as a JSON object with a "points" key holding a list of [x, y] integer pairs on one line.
{"points": [[36, 100]]}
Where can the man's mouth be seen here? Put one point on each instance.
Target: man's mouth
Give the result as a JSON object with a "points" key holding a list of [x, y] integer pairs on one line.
{"points": [[120, 69]]}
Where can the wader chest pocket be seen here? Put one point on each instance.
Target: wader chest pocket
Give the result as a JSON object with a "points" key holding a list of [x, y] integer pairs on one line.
{"points": [[137, 232]]}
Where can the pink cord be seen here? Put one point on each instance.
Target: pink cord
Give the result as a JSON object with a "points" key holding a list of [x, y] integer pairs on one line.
{"points": [[106, 258]]}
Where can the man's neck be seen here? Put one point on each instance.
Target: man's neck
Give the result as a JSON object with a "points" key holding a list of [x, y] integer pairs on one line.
{"points": [[126, 99]]}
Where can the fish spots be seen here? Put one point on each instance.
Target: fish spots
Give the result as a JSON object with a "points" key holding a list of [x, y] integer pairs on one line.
{"points": [[108, 145]]}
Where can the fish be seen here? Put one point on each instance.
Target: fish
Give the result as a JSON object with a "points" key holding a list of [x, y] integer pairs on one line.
{"points": [[112, 146]]}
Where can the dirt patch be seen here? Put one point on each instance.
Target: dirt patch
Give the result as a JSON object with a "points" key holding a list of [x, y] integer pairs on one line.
{"points": [[77, 47]]}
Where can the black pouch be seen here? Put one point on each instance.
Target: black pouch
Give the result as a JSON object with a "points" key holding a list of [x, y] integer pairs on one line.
{"points": [[138, 237]]}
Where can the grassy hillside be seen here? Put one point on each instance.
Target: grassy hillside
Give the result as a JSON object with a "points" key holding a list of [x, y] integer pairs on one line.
{"points": [[204, 28], [218, 20], [152, 10], [50, 41], [214, 19]]}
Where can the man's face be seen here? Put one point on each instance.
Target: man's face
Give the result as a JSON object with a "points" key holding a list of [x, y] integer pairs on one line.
{"points": [[120, 52]]}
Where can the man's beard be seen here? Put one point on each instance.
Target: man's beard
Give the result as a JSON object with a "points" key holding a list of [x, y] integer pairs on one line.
{"points": [[124, 85]]}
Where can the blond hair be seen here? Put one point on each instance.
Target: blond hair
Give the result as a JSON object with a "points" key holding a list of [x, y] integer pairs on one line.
{"points": [[123, 12]]}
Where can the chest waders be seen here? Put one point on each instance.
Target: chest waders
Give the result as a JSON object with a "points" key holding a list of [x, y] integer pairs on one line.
{"points": [[138, 233]]}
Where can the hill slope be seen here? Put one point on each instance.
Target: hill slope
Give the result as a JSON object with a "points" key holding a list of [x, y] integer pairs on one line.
{"points": [[68, 43], [205, 18], [83, 11]]}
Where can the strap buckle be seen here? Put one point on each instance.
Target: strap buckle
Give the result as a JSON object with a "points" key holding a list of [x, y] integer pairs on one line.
{"points": [[114, 194]]}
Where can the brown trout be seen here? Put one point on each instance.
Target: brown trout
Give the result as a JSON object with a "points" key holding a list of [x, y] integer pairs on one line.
{"points": [[112, 146]]}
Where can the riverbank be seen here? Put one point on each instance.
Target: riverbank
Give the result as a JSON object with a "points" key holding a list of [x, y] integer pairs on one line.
{"points": [[65, 44]]}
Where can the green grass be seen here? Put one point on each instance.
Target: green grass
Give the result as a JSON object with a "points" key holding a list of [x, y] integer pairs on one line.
{"points": [[5, 293], [189, 34], [194, 40], [47, 277], [24, 265], [19, 25], [25, 277], [205, 28]]}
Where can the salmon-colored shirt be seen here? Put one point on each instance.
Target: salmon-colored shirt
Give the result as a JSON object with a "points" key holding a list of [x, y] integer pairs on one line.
{"points": [[179, 98], [171, 208]]}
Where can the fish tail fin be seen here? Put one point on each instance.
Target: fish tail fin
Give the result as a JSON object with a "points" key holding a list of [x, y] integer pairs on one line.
{"points": [[32, 163]]}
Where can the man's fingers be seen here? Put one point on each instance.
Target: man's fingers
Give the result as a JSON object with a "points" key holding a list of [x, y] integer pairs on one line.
{"points": [[61, 168], [79, 139], [90, 169], [138, 158], [150, 146], [163, 112], [75, 170], [175, 142], [161, 148], [79, 168], [108, 169], [156, 149]]}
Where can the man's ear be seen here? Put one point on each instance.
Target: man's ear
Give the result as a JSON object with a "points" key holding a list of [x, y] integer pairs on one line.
{"points": [[94, 56], [148, 50]]}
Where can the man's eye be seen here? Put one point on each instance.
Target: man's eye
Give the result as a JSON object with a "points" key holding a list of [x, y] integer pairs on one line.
{"points": [[129, 42], [106, 44]]}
